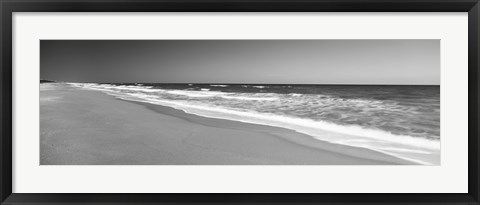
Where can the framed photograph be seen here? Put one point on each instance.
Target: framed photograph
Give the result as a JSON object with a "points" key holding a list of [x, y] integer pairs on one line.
{"points": [[255, 102]]}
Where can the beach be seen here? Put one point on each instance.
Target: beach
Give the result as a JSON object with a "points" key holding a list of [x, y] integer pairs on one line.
{"points": [[87, 127]]}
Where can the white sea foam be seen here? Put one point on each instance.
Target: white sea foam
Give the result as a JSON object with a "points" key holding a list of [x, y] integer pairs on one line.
{"points": [[219, 86], [406, 150], [249, 98], [123, 87], [78, 85], [254, 86], [195, 94], [224, 95]]}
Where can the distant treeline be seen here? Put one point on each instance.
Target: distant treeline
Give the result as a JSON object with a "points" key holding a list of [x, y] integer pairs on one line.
{"points": [[46, 81]]}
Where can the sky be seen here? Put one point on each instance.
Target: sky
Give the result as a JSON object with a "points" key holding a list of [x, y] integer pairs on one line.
{"points": [[412, 62]]}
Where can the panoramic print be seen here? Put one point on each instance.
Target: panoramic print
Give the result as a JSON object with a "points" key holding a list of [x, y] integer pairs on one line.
{"points": [[240, 102]]}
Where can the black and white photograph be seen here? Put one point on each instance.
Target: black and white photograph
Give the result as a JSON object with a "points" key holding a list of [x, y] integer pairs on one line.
{"points": [[240, 102]]}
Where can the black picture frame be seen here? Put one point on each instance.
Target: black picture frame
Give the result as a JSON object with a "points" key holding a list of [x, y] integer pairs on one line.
{"points": [[7, 8]]}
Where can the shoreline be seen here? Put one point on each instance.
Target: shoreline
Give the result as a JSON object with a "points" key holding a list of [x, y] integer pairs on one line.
{"points": [[289, 135], [171, 136]]}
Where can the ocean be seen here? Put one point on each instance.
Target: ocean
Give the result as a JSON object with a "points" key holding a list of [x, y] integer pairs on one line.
{"points": [[399, 120]]}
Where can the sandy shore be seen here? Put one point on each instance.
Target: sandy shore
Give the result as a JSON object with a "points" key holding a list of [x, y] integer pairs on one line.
{"points": [[85, 127]]}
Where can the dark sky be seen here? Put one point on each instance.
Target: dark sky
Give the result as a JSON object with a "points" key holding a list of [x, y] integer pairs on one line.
{"points": [[242, 61]]}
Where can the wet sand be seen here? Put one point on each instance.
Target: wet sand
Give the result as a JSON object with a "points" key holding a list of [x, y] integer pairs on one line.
{"points": [[87, 127]]}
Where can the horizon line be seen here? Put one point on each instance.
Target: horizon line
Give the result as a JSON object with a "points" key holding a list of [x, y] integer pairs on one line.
{"points": [[249, 83]]}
